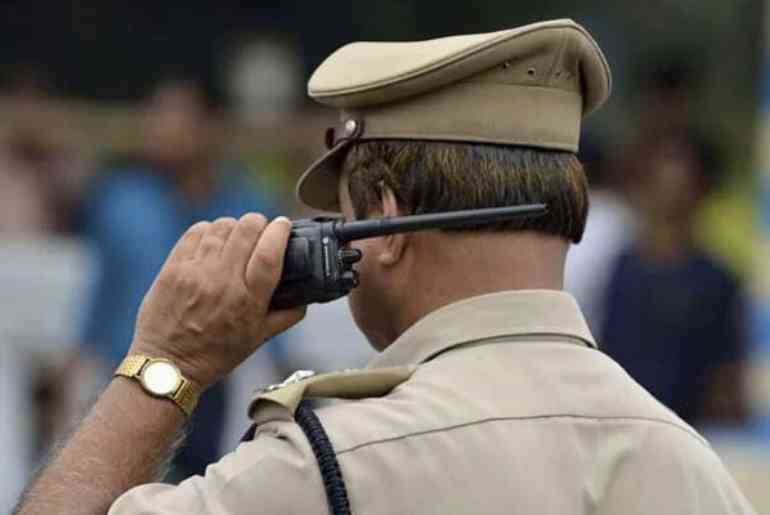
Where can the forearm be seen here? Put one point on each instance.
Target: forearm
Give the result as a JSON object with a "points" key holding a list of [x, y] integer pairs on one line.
{"points": [[206, 312], [124, 442]]}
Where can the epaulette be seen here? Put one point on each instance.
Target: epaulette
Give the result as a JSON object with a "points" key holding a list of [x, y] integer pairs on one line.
{"points": [[280, 401]]}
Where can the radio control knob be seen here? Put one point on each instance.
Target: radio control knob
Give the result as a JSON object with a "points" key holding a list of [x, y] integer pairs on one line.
{"points": [[349, 279], [349, 256]]}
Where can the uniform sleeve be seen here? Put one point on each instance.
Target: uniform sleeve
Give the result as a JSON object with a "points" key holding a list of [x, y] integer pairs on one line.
{"points": [[276, 473]]}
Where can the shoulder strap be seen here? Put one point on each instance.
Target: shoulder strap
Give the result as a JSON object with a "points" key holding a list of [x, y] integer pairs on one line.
{"points": [[279, 402]]}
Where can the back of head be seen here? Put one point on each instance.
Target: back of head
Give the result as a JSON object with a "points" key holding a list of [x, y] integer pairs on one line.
{"points": [[432, 177]]}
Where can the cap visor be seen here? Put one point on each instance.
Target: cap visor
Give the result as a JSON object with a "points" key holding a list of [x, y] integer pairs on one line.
{"points": [[318, 186]]}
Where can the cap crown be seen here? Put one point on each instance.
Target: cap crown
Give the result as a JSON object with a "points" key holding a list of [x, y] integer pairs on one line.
{"points": [[557, 54]]}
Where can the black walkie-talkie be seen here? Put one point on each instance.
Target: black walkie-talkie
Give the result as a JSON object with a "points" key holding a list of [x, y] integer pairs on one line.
{"points": [[318, 265]]}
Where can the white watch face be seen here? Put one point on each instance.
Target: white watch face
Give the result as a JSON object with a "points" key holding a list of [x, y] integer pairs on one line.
{"points": [[161, 378]]}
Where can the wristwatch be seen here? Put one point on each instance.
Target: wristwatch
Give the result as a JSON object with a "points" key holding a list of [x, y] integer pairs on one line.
{"points": [[160, 378]]}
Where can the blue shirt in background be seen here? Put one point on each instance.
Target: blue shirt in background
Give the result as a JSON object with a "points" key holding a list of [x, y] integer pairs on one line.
{"points": [[669, 325], [133, 218]]}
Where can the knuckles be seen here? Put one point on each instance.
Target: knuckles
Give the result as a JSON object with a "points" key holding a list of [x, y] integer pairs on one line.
{"points": [[194, 285], [199, 227], [209, 285], [255, 221], [178, 279], [187, 283], [225, 222]]}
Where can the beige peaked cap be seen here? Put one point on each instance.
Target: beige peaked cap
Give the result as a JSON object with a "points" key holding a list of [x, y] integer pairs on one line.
{"points": [[527, 86]]}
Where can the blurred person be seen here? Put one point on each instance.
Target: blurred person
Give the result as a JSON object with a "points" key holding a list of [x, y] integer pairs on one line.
{"points": [[135, 212], [675, 315], [41, 176], [667, 87], [44, 269], [609, 229], [23, 196], [488, 395]]}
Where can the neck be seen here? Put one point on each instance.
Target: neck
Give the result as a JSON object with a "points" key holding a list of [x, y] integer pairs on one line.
{"points": [[195, 181], [667, 240], [449, 267]]}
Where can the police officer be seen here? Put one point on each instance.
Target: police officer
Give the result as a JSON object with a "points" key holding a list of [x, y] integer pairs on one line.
{"points": [[489, 395]]}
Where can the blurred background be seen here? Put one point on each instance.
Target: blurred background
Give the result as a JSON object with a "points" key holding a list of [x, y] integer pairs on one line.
{"points": [[121, 125]]}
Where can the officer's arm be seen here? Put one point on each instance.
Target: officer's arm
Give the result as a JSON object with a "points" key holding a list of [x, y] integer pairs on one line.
{"points": [[207, 311], [122, 443]]}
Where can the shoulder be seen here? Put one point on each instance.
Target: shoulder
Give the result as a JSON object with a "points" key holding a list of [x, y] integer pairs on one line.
{"points": [[685, 470], [436, 397]]}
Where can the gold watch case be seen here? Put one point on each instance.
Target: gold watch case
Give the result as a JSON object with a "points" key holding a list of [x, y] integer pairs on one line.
{"points": [[160, 378]]}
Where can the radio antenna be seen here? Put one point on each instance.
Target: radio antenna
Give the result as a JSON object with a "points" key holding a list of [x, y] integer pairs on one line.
{"points": [[358, 230]]}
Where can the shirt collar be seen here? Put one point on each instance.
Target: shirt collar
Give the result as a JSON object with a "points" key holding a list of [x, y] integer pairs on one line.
{"points": [[508, 313]]}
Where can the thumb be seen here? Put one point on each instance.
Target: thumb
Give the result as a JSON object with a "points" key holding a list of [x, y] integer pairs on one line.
{"points": [[278, 321]]}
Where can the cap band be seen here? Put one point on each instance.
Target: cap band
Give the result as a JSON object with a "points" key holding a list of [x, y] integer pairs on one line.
{"points": [[480, 113]]}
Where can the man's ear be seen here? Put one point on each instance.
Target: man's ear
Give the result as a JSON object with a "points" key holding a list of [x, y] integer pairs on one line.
{"points": [[395, 244]]}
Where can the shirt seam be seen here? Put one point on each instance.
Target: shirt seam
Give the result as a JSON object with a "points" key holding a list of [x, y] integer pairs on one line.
{"points": [[503, 339], [524, 418]]}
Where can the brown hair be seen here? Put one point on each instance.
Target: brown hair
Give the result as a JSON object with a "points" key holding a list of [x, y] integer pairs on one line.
{"points": [[429, 177]]}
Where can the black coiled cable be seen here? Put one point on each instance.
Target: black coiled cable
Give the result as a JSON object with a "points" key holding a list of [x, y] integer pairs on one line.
{"points": [[334, 484]]}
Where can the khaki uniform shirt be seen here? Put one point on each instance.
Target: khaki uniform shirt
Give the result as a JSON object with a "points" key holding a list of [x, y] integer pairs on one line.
{"points": [[509, 409]]}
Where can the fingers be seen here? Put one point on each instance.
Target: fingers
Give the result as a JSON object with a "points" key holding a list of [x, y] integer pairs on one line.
{"points": [[278, 321], [242, 241], [187, 245], [266, 262], [215, 237]]}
